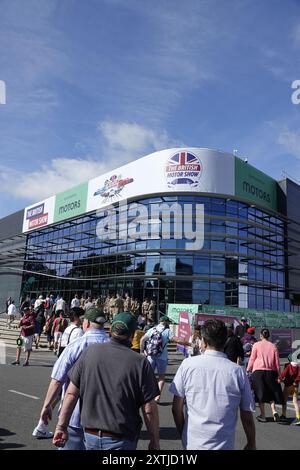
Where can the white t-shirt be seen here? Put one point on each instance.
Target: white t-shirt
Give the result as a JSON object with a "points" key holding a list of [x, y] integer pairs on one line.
{"points": [[12, 310], [71, 333], [38, 303], [75, 303], [60, 305]]}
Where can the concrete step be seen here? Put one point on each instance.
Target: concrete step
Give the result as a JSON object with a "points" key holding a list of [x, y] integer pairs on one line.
{"points": [[10, 335]]}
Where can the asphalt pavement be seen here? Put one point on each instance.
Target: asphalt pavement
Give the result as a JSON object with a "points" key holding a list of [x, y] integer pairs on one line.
{"points": [[23, 390]]}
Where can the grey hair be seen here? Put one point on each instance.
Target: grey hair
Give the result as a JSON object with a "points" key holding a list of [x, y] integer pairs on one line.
{"points": [[96, 326]]}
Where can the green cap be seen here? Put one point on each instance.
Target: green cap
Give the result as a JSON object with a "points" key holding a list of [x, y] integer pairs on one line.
{"points": [[123, 324], [94, 315], [165, 318]]}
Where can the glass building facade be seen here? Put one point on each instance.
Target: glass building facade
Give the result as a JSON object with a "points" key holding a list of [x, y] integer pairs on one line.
{"points": [[242, 262]]}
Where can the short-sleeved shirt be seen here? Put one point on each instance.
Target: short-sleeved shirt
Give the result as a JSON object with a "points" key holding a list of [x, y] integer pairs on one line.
{"points": [[71, 333], [27, 320], [68, 358], [167, 335], [75, 303], [59, 325], [61, 304], [12, 310], [214, 389], [114, 382], [138, 334]]}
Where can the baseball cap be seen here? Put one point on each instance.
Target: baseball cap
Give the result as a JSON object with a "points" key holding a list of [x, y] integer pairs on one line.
{"points": [[251, 330], [243, 319], [165, 318], [123, 323], [40, 297], [94, 315]]}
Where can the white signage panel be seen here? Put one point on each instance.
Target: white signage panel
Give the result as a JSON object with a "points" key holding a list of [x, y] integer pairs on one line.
{"points": [[39, 215], [172, 170]]}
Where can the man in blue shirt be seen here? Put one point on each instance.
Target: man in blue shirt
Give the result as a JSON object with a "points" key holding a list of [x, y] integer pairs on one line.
{"points": [[93, 326]]}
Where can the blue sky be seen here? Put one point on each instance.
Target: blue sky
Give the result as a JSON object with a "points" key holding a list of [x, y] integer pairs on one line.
{"points": [[95, 84]]}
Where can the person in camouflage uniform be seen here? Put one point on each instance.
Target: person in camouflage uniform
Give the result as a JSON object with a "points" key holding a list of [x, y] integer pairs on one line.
{"points": [[112, 307], [152, 311], [127, 303], [106, 307], [119, 305], [145, 308], [135, 308]]}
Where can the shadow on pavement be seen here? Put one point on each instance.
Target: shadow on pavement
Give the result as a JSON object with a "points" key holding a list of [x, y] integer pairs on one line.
{"points": [[8, 445], [6, 432], [41, 365]]}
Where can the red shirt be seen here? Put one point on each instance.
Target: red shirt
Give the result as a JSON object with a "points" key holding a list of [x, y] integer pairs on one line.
{"points": [[290, 375], [27, 320], [59, 325]]}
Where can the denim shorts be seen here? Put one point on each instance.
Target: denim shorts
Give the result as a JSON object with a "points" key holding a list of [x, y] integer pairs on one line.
{"points": [[158, 364]]}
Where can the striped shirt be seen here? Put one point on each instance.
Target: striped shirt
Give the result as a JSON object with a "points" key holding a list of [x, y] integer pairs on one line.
{"points": [[68, 358]]}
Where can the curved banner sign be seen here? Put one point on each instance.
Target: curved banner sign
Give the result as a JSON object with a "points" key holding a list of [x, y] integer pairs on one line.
{"points": [[167, 171], [190, 170]]}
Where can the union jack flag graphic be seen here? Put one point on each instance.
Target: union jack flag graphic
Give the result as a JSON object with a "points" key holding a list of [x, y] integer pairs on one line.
{"points": [[183, 168], [184, 158]]}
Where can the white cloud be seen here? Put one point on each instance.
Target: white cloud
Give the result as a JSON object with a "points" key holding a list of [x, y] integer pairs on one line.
{"points": [[290, 140], [132, 138], [60, 174], [119, 141]]}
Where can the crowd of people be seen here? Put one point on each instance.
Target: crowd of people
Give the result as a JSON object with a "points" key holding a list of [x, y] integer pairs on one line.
{"points": [[51, 315], [111, 305], [103, 379]]}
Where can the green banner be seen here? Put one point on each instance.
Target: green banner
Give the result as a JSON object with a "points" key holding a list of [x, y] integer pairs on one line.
{"points": [[272, 319], [297, 320], [222, 310], [255, 185], [175, 309], [71, 203], [256, 318], [287, 322]]}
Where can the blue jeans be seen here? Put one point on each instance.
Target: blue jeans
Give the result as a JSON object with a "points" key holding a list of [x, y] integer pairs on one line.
{"points": [[93, 442], [76, 439]]}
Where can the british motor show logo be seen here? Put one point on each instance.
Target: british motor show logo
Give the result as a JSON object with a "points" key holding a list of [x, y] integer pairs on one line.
{"points": [[36, 217], [183, 168], [113, 187]]}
